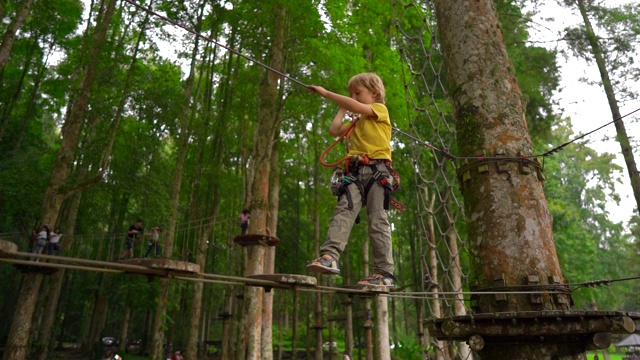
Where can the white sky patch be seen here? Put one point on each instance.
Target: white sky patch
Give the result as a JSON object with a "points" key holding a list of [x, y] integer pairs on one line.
{"points": [[587, 105]]}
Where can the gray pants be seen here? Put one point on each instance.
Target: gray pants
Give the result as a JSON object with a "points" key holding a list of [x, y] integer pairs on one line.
{"points": [[377, 222]]}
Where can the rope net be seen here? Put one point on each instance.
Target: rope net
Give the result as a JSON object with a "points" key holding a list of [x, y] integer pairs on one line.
{"points": [[440, 216]]}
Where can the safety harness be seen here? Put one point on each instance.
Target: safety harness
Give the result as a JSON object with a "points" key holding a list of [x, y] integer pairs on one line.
{"points": [[347, 174]]}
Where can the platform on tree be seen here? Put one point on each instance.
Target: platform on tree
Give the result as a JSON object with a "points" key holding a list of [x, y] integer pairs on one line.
{"points": [[164, 264], [286, 279], [366, 290]]}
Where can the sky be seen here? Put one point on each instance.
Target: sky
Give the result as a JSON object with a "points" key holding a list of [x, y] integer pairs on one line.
{"points": [[585, 104]]}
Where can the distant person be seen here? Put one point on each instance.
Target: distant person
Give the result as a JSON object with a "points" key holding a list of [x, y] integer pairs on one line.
{"points": [[176, 355], [244, 218], [42, 238], [54, 242], [153, 242], [130, 239], [110, 354]]}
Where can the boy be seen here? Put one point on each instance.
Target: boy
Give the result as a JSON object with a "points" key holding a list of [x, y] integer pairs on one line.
{"points": [[371, 153]]}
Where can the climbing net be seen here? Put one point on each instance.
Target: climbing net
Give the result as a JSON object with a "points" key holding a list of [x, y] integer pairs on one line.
{"points": [[439, 211]]}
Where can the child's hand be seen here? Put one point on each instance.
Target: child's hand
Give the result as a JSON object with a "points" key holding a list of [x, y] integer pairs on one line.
{"points": [[317, 89]]}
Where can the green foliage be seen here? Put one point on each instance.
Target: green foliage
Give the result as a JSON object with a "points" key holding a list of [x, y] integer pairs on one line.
{"points": [[581, 225], [536, 68], [617, 30], [325, 44]]}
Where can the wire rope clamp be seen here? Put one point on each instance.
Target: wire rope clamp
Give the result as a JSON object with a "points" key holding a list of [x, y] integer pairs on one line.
{"points": [[466, 174], [500, 281], [523, 166], [475, 342], [534, 280], [483, 168], [501, 166], [539, 169]]}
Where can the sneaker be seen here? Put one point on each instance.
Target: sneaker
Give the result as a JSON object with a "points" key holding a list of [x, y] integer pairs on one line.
{"points": [[325, 264], [379, 279]]}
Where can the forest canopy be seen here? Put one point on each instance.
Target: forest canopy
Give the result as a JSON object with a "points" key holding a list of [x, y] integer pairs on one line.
{"points": [[98, 117]]}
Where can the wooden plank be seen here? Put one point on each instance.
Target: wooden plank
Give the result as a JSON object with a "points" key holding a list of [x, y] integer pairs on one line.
{"points": [[288, 279]]}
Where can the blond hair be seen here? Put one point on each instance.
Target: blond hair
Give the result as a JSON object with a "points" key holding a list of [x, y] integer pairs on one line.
{"points": [[370, 81]]}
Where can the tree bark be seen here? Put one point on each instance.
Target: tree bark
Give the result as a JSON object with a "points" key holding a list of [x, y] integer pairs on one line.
{"points": [[265, 135], [196, 298], [67, 226], [509, 223], [17, 344], [124, 329], [26, 68], [455, 272], [382, 349], [157, 352], [432, 268], [270, 253], [621, 131], [31, 107], [10, 34]]}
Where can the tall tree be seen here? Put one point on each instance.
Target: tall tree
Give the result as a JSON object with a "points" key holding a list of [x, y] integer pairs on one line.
{"points": [[269, 119], [619, 25], [10, 33], [490, 117], [183, 135], [54, 195]]}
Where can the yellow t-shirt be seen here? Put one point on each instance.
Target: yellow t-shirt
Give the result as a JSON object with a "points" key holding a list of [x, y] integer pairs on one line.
{"points": [[372, 135]]}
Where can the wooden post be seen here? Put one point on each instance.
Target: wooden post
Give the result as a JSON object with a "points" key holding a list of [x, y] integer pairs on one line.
{"points": [[382, 348], [348, 327]]}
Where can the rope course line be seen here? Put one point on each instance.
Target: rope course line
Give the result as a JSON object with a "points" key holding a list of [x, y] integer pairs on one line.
{"points": [[115, 267], [122, 267], [207, 38]]}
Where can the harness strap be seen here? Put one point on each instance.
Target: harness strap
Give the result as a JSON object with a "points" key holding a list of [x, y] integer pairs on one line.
{"points": [[344, 190], [382, 180]]}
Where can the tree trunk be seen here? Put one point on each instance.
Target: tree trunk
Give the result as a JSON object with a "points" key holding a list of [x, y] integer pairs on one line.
{"points": [[68, 227], [225, 351], [17, 344], [270, 253], [294, 329], [455, 272], [265, 135], [157, 352], [431, 269], [10, 34], [196, 297], [382, 349], [509, 224], [124, 329], [316, 240], [621, 131], [368, 323], [26, 67], [31, 107]]}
